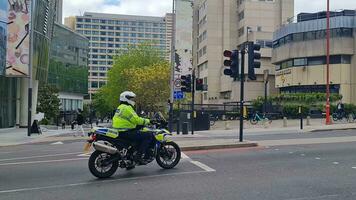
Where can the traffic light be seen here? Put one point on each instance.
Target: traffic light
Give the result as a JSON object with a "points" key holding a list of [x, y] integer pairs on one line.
{"points": [[186, 82], [232, 63], [199, 84], [253, 59]]}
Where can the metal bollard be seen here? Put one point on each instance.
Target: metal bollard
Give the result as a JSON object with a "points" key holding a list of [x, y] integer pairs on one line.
{"points": [[284, 121], [227, 125], [185, 128], [308, 120]]}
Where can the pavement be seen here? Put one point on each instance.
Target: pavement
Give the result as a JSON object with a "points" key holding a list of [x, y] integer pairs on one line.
{"points": [[224, 134]]}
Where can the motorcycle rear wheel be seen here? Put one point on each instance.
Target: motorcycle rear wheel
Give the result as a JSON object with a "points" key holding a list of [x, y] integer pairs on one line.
{"points": [[168, 156], [94, 164]]}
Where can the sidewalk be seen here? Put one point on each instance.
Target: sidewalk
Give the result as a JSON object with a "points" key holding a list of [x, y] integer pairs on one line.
{"points": [[210, 139]]}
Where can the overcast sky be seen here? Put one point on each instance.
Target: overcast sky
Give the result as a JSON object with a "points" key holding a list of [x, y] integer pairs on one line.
{"points": [[160, 7]]}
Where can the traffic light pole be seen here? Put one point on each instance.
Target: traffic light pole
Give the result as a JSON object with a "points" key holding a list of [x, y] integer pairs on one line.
{"points": [[242, 87], [193, 98]]}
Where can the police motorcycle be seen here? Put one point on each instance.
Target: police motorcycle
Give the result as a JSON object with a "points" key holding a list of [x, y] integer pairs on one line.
{"points": [[111, 151]]}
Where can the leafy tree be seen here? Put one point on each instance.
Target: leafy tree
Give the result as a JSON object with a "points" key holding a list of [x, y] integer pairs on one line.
{"points": [[101, 105], [48, 101], [143, 70]]}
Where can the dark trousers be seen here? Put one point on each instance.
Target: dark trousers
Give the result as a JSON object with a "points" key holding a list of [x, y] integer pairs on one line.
{"points": [[143, 139]]}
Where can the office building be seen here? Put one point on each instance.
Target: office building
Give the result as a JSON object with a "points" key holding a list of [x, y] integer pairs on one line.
{"points": [[220, 25], [299, 54], [68, 69], [14, 82], [112, 33]]}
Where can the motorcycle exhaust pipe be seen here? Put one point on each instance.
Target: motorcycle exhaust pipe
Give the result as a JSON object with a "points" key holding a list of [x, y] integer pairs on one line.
{"points": [[104, 148]]}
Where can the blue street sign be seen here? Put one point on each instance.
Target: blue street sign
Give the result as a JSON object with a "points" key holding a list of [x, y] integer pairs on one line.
{"points": [[178, 95]]}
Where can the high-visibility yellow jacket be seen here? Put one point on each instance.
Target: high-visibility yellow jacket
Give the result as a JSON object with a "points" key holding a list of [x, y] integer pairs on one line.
{"points": [[126, 118]]}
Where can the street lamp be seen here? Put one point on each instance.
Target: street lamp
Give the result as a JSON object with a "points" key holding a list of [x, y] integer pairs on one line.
{"points": [[327, 109]]}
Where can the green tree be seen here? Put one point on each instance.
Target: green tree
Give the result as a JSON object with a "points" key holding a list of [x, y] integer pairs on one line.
{"points": [[142, 69], [48, 101], [101, 105]]}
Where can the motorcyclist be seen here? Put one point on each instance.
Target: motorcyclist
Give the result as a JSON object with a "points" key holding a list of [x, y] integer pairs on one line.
{"points": [[127, 121]]}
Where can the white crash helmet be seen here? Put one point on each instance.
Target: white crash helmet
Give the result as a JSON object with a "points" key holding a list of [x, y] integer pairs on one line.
{"points": [[128, 97]]}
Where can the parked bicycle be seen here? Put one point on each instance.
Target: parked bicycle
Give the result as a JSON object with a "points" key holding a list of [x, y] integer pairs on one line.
{"points": [[212, 120], [255, 118], [339, 116]]}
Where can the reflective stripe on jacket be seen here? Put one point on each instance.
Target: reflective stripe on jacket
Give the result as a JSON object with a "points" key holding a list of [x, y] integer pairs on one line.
{"points": [[126, 118]]}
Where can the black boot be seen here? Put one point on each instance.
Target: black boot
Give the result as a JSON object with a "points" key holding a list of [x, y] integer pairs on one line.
{"points": [[139, 159]]}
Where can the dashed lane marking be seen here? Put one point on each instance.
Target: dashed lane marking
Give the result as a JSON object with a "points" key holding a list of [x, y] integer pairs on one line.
{"points": [[42, 161], [335, 163], [55, 143], [317, 158], [40, 156], [203, 166]]}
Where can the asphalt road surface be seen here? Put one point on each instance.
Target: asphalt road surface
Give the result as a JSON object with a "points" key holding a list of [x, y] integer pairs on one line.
{"points": [[300, 172]]}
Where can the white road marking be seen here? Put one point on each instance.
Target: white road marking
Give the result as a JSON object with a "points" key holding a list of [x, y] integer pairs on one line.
{"points": [[84, 155], [96, 182], [317, 158], [42, 161], [203, 166], [41, 156], [314, 198], [353, 167], [302, 154], [55, 143], [291, 152], [184, 156], [335, 163], [276, 149]]}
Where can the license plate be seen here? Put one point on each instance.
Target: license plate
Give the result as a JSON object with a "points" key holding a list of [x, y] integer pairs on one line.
{"points": [[87, 147]]}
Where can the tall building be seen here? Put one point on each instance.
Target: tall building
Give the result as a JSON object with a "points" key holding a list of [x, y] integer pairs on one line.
{"points": [[14, 82], [220, 25], [68, 69], [108, 33], [59, 11], [299, 54]]}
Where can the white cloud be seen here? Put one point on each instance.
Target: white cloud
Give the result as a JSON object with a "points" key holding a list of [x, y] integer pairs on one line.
{"points": [[131, 7], [320, 5], [160, 7]]}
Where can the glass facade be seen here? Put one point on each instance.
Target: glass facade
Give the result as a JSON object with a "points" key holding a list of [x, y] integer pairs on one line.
{"points": [[7, 102], [68, 69], [2, 48]]}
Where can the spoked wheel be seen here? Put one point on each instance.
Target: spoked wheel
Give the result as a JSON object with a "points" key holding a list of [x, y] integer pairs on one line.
{"points": [[335, 117], [168, 155], [97, 168], [253, 121]]}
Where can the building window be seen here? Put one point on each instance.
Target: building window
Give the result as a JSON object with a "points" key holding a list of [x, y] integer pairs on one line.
{"points": [[94, 84], [241, 15], [241, 31], [316, 60], [300, 62]]}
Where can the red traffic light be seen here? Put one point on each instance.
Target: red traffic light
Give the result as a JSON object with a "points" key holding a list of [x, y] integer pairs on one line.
{"points": [[227, 53]]}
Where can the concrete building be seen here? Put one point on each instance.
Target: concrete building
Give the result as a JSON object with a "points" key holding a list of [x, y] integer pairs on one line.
{"points": [[13, 87], [222, 24], [68, 69], [299, 53], [111, 32], [59, 11]]}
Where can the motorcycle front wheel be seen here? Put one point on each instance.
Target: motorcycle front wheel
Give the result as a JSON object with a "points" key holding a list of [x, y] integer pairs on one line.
{"points": [[97, 168], [168, 155]]}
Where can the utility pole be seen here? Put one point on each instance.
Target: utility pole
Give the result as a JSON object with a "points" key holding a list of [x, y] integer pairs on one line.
{"points": [[242, 88], [193, 99], [328, 121], [29, 117], [173, 57]]}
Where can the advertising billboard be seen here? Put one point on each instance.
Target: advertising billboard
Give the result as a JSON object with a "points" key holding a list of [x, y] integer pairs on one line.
{"points": [[18, 38], [3, 32]]}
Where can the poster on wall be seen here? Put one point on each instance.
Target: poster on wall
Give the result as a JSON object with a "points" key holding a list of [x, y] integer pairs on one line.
{"points": [[184, 26], [18, 38]]}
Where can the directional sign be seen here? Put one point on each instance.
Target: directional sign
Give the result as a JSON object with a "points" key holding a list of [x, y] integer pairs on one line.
{"points": [[178, 95]]}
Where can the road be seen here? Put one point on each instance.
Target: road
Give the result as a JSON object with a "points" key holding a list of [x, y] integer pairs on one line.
{"points": [[291, 172]]}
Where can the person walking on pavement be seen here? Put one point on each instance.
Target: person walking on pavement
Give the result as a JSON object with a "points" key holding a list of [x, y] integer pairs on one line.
{"points": [[80, 122], [340, 108]]}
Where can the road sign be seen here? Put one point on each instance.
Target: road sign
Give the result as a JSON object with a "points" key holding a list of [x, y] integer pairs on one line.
{"points": [[178, 95]]}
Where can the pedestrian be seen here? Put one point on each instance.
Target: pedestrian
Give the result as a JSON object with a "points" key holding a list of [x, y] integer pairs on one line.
{"points": [[97, 122], [80, 121], [63, 123], [340, 108]]}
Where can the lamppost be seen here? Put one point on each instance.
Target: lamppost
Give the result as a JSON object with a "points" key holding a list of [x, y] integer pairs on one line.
{"points": [[328, 121]]}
